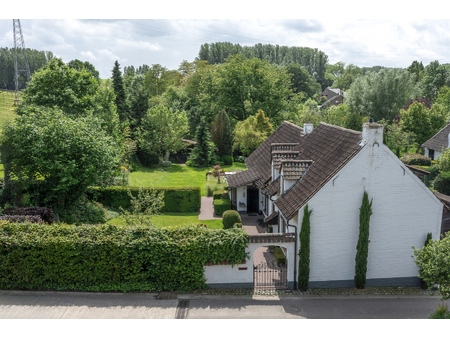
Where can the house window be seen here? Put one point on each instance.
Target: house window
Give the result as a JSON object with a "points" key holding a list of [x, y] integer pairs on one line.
{"points": [[431, 154]]}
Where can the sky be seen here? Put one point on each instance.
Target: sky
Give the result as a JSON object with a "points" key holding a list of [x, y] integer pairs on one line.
{"points": [[137, 33]]}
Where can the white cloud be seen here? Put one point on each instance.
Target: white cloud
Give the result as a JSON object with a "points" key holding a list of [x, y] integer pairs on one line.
{"points": [[138, 45], [89, 55]]}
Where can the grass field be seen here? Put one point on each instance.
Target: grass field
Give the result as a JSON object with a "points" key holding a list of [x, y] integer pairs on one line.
{"points": [[7, 108], [177, 219], [176, 176]]}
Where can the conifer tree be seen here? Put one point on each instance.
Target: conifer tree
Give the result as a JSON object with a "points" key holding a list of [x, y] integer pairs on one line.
{"points": [[221, 134], [117, 84], [304, 253], [203, 153], [362, 248]]}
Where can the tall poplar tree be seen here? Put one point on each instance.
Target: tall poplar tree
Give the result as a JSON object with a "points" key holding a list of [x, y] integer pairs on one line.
{"points": [[304, 252], [221, 134], [117, 84], [362, 248]]}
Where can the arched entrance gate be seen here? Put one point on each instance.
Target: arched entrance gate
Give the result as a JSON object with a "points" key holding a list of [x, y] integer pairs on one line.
{"points": [[267, 273]]}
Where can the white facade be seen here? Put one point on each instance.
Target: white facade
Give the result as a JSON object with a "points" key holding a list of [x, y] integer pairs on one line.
{"points": [[404, 211]]}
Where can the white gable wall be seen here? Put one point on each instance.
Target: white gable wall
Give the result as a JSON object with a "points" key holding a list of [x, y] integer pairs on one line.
{"points": [[404, 211]]}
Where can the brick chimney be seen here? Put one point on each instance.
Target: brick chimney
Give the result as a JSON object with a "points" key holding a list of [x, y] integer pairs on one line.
{"points": [[307, 128], [372, 133]]}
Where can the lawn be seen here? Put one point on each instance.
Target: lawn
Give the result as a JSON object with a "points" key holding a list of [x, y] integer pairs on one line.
{"points": [[176, 176], [177, 219]]}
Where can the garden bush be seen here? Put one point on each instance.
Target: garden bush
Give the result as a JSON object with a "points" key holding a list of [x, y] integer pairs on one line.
{"points": [[279, 255], [21, 219], [111, 258], [222, 205], [165, 164], [442, 183], [227, 159], [428, 179], [230, 218], [44, 214], [240, 159], [220, 194], [416, 159], [175, 199], [83, 212]]}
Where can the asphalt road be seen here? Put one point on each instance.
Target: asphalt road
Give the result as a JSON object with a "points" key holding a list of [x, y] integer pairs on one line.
{"points": [[78, 305]]}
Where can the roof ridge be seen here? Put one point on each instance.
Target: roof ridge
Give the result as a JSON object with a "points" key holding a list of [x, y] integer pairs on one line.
{"points": [[341, 128]]}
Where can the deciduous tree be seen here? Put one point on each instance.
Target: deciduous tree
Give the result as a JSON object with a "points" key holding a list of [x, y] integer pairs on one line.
{"points": [[161, 131], [68, 154], [250, 133], [434, 265], [381, 95]]}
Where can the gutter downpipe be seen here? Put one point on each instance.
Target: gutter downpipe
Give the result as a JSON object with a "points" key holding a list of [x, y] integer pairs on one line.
{"points": [[295, 251]]}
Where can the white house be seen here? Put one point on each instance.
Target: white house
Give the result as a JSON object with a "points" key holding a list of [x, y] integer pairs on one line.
{"points": [[438, 143], [329, 168]]}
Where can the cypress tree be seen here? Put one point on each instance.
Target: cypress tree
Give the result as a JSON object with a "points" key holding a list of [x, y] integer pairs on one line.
{"points": [[203, 153], [362, 248], [117, 84], [221, 134], [303, 262]]}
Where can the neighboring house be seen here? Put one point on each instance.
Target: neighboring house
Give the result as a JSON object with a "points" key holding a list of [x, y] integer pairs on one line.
{"points": [[438, 143], [334, 96], [329, 168]]}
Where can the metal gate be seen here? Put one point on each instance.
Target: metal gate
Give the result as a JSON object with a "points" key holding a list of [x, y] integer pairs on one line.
{"points": [[270, 275]]}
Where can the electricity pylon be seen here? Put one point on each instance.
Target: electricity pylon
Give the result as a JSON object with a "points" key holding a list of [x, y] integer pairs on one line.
{"points": [[19, 47]]}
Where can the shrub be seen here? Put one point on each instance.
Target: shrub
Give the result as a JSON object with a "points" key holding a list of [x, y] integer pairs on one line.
{"points": [[83, 212], [237, 225], [220, 194], [230, 218], [416, 159], [175, 199], [279, 255], [227, 159], [240, 159], [441, 312], [44, 214], [165, 164], [434, 171], [220, 206], [21, 219], [442, 183], [113, 258]]}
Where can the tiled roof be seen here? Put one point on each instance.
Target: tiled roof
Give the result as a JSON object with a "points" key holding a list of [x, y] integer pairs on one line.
{"points": [[330, 148], [273, 187], [263, 182], [445, 200], [439, 141], [259, 162], [271, 216], [293, 170]]}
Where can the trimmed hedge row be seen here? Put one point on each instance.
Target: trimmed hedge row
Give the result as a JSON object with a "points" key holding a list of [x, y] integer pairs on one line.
{"points": [[112, 258], [415, 159], [220, 194], [175, 199], [221, 205]]}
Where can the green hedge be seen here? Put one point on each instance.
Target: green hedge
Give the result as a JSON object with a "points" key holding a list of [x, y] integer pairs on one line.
{"points": [[175, 199], [112, 258], [220, 194], [442, 183], [415, 159], [222, 205]]}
